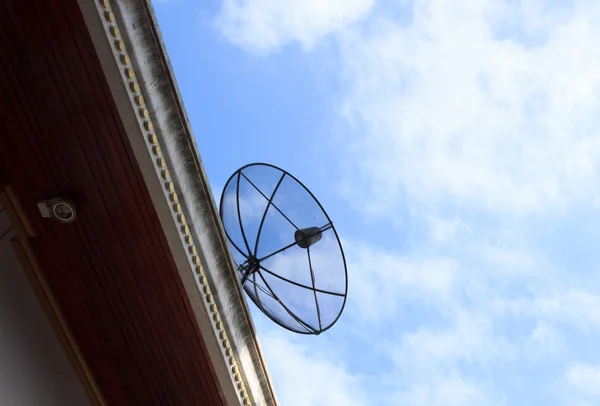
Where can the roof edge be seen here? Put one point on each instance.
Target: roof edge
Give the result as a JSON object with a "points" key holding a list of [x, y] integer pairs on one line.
{"points": [[180, 189]]}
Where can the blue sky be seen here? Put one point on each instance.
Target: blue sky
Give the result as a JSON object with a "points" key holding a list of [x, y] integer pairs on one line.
{"points": [[456, 145]]}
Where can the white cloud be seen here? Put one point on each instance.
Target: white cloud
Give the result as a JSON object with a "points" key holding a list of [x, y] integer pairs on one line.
{"points": [[448, 230], [450, 391], [576, 307], [545, 339], [456, 112], [380, 280], [470, 339], [265, 25], [585, 379], [304, 377]]}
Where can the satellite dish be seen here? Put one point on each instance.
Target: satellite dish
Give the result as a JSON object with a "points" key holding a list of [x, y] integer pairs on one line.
{"points": [[287, 252]]}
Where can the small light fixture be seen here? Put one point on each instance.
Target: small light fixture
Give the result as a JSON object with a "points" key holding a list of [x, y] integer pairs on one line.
{"points": [[60, 209]]}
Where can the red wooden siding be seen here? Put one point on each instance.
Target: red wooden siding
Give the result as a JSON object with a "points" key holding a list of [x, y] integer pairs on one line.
{"points": [[111, 270]]}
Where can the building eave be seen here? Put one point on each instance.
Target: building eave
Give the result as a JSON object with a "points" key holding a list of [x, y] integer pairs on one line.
{"points": [[133, 56]]}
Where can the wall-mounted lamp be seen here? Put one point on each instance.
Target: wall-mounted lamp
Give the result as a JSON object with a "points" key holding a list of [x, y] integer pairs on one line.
{"points": [[60, 209]]}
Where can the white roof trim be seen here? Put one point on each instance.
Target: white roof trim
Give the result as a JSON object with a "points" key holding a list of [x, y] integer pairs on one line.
{"points": [[128, 41]]}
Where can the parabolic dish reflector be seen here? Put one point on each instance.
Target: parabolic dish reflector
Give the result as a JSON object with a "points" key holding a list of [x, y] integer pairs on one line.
{"points": [[287, 252]]}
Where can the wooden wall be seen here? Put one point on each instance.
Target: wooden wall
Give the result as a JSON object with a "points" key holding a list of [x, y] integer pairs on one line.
{"points": [[111, 270]]}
